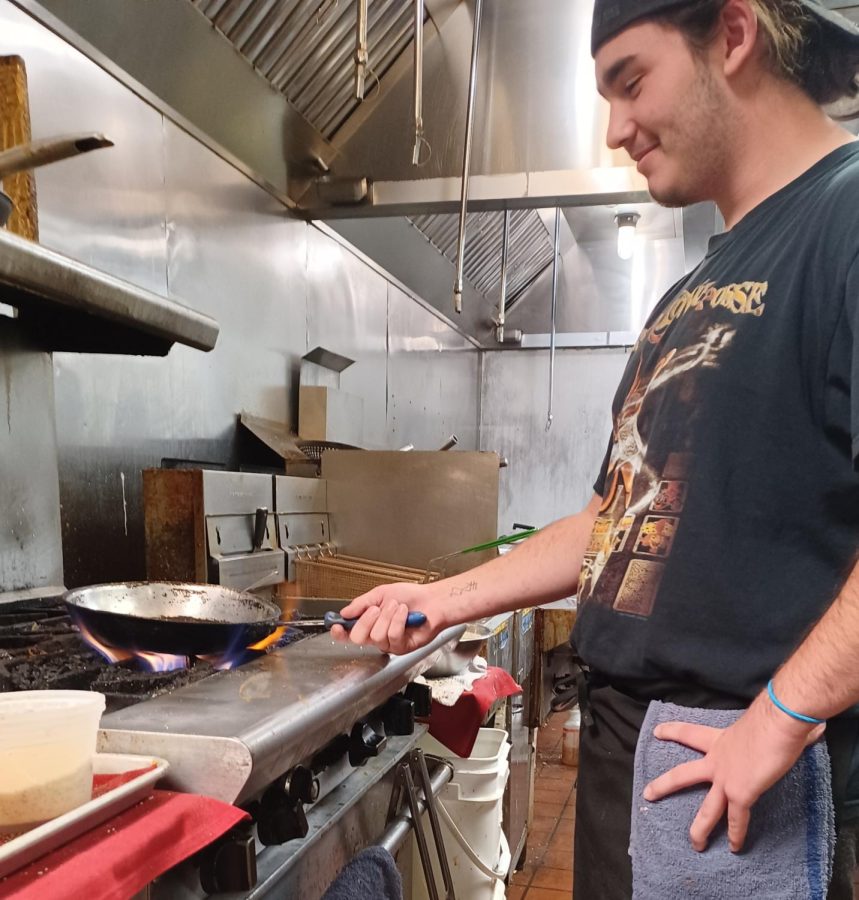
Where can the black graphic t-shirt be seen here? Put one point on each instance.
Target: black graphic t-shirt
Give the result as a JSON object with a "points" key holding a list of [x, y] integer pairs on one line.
{"points": [[730, 516]]}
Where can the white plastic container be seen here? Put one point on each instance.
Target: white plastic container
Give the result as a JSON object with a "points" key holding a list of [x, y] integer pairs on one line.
{"points": [[478, 776], [570, 743], [471, 812], [47, 743]]}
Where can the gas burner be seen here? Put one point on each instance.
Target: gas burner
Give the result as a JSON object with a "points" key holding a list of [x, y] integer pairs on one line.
{"points": [[24, 628], [41, 649]]}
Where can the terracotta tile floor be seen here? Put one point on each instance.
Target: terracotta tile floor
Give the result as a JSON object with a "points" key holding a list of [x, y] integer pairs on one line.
{"points": [[548, 873]]}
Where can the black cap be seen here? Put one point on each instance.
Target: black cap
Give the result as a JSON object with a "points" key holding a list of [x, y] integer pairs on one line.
{"points": [[613, 16]]}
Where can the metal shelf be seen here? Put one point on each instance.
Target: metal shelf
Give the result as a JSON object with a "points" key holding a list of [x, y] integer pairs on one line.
{"points": [[66, 305]]}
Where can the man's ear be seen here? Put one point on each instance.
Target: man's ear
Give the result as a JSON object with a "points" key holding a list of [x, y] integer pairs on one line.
{"points": [[739, 35]]}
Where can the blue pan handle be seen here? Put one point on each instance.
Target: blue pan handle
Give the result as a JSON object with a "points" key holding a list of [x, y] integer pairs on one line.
{"points": [[413, 620]]}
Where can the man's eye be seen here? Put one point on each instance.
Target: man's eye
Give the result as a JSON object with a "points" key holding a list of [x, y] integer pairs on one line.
{"points": [[630, 87]]}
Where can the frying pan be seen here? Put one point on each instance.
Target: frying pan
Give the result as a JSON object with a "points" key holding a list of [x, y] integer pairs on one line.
{"points": [[171, 617], [181, 619]]}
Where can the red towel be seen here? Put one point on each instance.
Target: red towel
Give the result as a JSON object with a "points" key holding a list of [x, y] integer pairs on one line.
{"points": [[457, 726], [118, 858]]}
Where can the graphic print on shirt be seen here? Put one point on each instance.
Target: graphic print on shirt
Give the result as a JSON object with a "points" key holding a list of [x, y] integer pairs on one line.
{"points": [[647, 477]]}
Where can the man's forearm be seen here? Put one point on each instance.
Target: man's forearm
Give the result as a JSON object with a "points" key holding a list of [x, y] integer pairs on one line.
{"points": [[544, 568], [821, 678]]}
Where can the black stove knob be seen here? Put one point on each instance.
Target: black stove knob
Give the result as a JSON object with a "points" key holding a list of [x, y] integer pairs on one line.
{"points": [[230, 864], [398, 715], [301, 785], [364, 742], [279, 817], [285, 821], [421, 696], [331, 753]]}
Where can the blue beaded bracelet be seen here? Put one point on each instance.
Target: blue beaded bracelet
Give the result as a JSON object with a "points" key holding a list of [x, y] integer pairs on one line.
{"points": [[794, 715]]}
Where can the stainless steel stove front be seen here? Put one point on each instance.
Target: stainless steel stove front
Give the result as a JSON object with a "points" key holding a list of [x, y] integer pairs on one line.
{"points": [[232, 734], [355, 815]]}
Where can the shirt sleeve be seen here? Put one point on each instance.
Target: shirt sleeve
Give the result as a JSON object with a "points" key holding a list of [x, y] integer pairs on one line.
{"points": [[599, 484]]}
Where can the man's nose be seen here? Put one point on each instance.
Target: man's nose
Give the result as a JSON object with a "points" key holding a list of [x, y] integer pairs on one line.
{"points": [[621, 128]]}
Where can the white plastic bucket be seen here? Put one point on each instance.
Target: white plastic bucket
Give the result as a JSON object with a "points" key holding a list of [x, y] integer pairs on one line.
{"points": [[470, 813], [47, 743], [481, 775]]}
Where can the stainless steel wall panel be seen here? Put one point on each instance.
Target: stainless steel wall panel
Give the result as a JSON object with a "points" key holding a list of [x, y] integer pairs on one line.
{"points": [[432, 379], [232, 253], [347, 311], [104, 208], [550, 473], [30, 554]]}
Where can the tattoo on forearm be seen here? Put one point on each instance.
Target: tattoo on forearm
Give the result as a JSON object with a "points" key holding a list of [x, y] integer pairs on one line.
{"points": [[465, 589]]}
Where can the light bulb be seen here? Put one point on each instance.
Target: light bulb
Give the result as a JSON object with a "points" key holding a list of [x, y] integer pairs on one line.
{"points": [[625, 241], [626, 223]]}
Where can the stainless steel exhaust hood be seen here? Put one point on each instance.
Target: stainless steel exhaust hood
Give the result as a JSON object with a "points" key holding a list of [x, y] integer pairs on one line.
{"points": [[270, 85]]}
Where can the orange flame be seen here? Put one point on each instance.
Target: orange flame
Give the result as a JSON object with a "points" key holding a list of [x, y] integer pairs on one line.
{"points": [[273, 638], [111, 654], [166, 662], [155, 662], [235, 657]]}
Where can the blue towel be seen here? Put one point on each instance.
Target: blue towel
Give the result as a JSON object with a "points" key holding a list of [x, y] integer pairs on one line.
{"points": [[371, 874], [791, 839]]}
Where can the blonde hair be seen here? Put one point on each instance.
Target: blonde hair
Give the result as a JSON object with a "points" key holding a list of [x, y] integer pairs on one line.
{"points": [[818, 59], [783, 24]]}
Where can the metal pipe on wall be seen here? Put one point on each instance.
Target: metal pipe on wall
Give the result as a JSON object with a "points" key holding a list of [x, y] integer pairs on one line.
{"points": [[466, 156], [502, 300], [361, 53], [553, 332]]}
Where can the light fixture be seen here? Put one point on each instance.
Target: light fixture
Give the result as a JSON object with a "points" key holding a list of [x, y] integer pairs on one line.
{"points": [[626, 222]]}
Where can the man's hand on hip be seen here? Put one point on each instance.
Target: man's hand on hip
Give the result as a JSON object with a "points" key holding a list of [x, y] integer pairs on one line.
{"points": [[741, 762]]}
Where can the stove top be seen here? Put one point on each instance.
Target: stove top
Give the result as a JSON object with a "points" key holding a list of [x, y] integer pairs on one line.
{"points": [[228, 731], [40, 649]]}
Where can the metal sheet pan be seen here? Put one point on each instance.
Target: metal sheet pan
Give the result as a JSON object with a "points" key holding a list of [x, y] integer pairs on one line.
{"points": [[18, 852]]}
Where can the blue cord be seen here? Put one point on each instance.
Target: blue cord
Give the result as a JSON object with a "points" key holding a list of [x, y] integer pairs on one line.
{"points": [[794, 715]]}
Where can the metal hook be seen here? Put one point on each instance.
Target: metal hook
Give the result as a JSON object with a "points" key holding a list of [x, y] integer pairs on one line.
{"points": [[377, 90], [420, 142]]}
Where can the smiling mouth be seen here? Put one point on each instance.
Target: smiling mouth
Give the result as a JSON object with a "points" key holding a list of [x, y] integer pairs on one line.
{"points": [[642, 156]]}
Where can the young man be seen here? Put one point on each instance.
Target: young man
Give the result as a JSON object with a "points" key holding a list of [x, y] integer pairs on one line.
{"points": [[718, 551]]}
